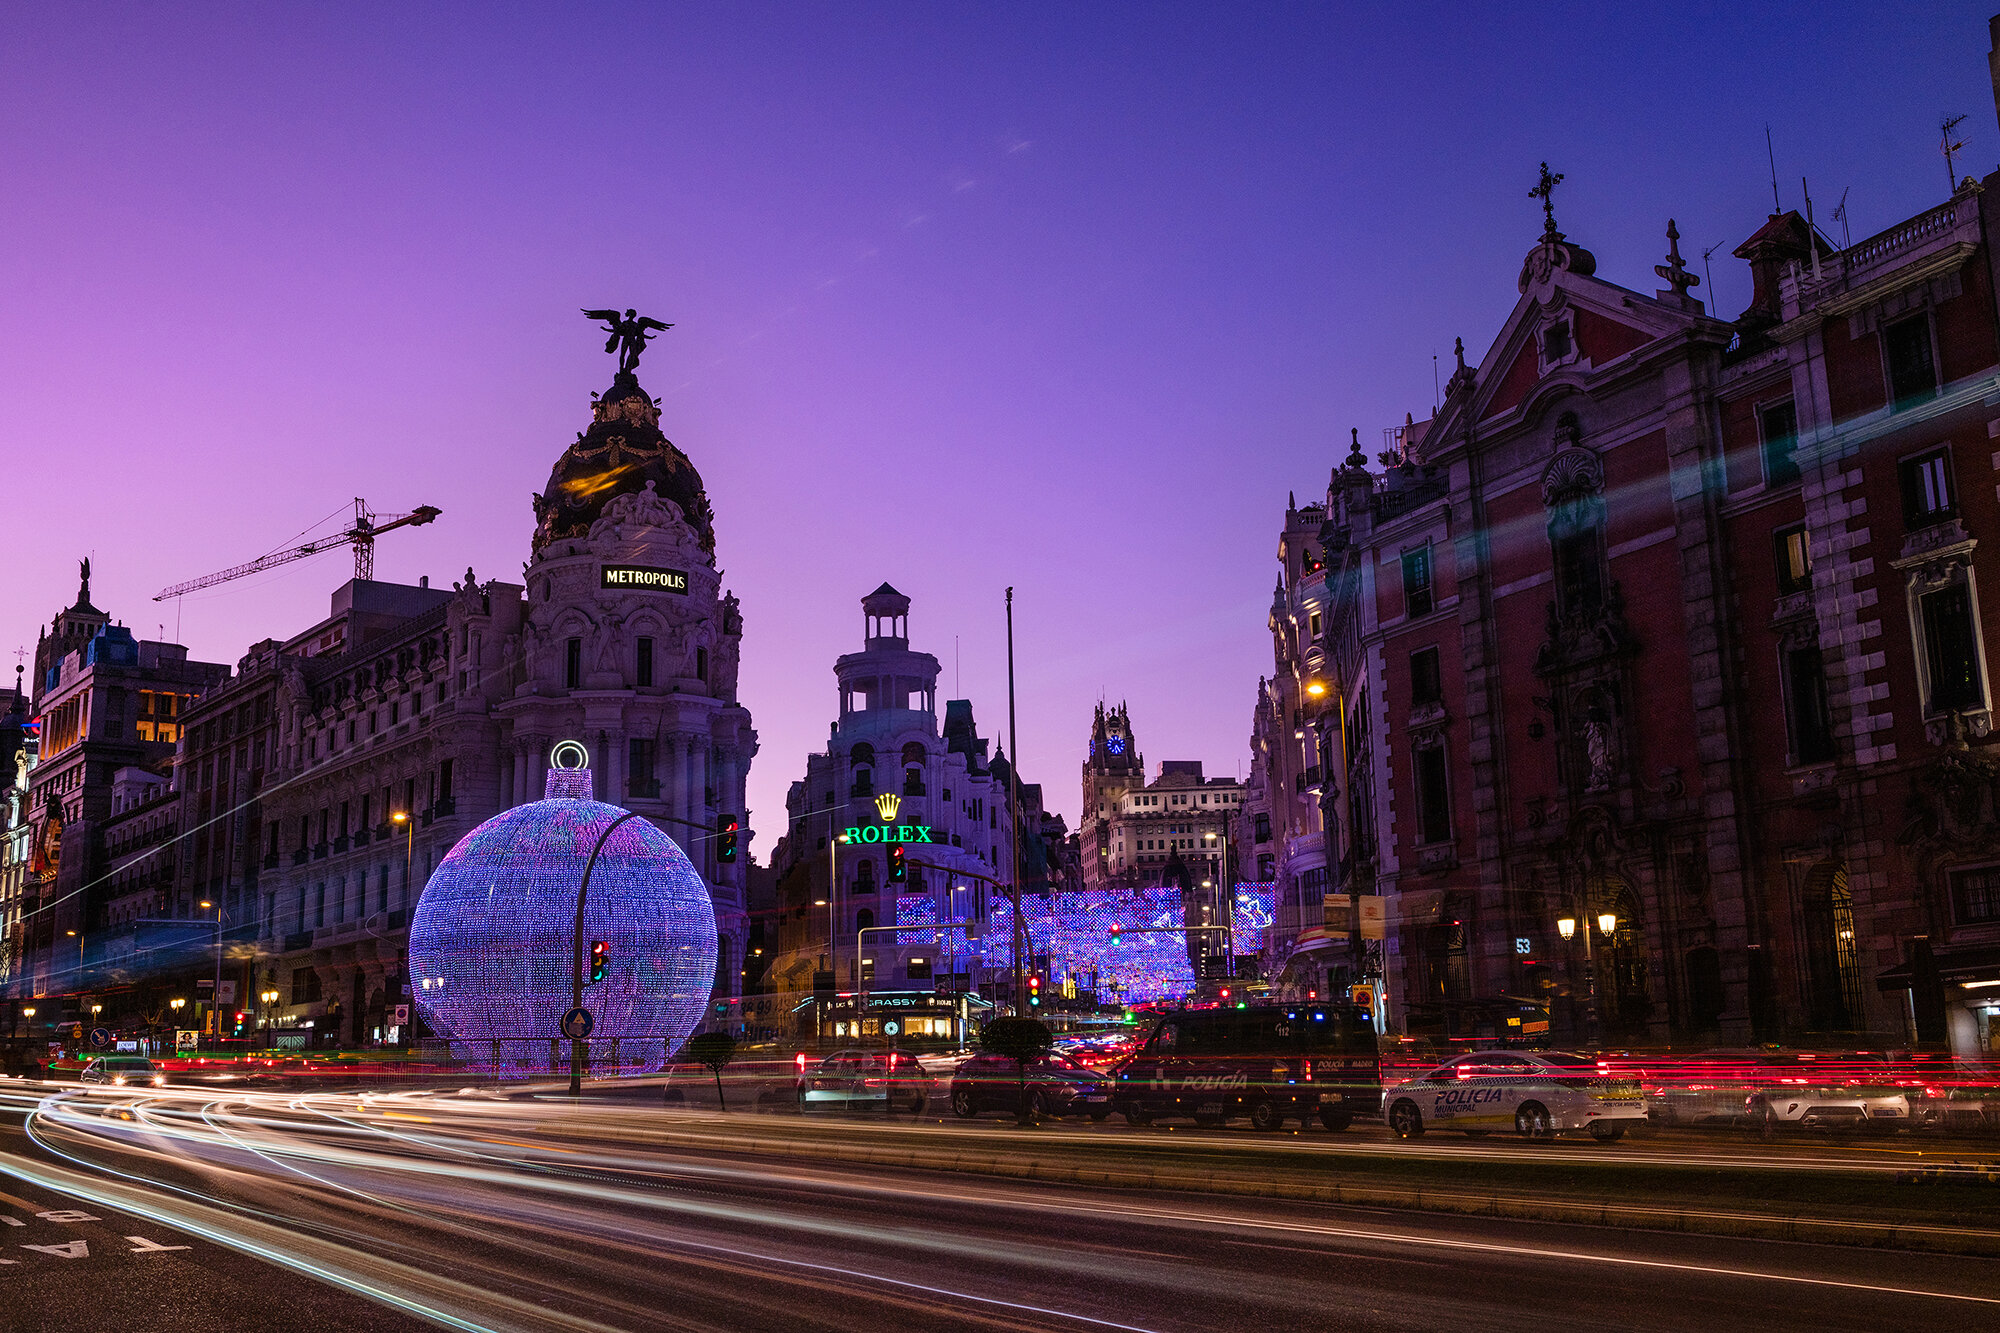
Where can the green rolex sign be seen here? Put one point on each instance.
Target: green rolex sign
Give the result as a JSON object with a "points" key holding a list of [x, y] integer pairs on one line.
{"points": [[890, 833]]}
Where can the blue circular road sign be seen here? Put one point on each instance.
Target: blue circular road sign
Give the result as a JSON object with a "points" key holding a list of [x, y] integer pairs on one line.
{"points": [[100, 1039], [577, 1023]]}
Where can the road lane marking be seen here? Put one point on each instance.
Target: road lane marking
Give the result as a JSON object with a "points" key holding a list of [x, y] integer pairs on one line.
{"points": [[140, 1245], [68, 1249]]}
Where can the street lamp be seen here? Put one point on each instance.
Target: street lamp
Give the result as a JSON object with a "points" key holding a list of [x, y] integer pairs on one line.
{"points": [[215, 996], [409, 847], [833, 910], [1607, 926], [269, 998]]}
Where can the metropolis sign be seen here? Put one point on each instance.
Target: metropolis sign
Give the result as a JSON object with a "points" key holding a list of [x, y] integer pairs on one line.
{"points": [[643, 576], [895, 833]]}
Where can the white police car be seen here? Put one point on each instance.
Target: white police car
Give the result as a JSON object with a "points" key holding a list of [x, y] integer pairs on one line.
{"points": [[1537, 1094]]}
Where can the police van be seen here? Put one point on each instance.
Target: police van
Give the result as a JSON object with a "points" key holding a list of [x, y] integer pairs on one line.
{"points": [[1270, 1062]]}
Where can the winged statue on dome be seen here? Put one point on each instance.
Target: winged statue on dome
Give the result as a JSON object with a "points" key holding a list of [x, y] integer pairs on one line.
{"points": [[629, 335]]}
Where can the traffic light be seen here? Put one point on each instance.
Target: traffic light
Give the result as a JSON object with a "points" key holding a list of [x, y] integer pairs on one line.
{"points": [[1034, 991], [1117, 934], [600, 959], [726, 830], [897, 873]]}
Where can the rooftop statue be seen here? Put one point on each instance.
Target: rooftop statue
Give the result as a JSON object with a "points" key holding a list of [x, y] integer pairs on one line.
{"points": [[629, 335]]}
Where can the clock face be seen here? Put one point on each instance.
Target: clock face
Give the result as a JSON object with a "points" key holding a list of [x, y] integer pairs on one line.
{"points": [[1116, 745]]}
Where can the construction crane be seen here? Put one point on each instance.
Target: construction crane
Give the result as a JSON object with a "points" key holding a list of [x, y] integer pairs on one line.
{"points": [[368, 525]]}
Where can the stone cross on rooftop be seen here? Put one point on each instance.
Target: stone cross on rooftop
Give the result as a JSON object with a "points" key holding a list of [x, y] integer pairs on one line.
{"points": [[1545, 190]]}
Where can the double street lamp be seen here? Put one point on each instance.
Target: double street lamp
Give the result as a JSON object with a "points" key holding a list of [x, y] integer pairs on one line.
{"points": [[1607, 926]]}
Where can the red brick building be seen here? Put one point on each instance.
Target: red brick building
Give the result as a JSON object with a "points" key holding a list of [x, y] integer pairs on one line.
{"points": [[1681, 626]]}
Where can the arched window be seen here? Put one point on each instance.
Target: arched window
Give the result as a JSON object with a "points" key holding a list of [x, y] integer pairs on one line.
{"points": [[913, 753], [1833, 971], [863, 754], [864, 877], [864, 919]]}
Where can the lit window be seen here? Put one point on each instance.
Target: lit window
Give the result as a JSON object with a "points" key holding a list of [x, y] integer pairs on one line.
{"points": [[1794, 559]]}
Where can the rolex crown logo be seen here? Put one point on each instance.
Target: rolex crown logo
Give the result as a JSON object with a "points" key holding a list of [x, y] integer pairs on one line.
{"points": [[886, 805]]}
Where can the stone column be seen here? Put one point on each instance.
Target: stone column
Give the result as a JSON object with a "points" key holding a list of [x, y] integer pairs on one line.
{"points": [[516, 794], [704, 857], [688, 807]]}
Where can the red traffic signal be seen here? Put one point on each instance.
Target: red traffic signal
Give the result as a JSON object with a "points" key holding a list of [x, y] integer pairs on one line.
{"points": [[727, 833], [897, 873], [600, 959]]}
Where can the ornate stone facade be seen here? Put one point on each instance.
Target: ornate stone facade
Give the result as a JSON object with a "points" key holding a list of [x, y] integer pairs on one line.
{"points": [[433, 710]]}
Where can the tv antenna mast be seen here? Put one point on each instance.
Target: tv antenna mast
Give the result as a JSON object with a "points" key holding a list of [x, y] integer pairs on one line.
{"points": [[1839, 215], [1950, 147]]}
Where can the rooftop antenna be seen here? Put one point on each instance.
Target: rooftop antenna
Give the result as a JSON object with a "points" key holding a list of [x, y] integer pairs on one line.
{"points": [[1840, 215], [1812, 232], [1437, 394], [1950, 148], [1706, 273], [1772, 153]]}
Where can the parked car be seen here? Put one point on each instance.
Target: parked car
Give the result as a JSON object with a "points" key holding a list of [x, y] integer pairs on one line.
{"points": [[1272, 1062], [1056, 1086], [892, 1080], [123, 1071], [1538, 1094]]}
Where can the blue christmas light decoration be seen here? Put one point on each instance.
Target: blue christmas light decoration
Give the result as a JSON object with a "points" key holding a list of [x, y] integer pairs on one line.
{"points": [[493, 938], [1073, 932]]}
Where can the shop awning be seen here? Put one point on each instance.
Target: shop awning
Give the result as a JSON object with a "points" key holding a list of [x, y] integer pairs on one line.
{"points": [[1976, 963]]}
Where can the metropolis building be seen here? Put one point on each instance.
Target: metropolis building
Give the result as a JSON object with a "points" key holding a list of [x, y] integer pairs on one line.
{"points": [[412, 714]]}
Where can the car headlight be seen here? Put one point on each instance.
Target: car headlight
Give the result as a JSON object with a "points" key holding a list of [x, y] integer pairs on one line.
{"points": [[119, 1079]]}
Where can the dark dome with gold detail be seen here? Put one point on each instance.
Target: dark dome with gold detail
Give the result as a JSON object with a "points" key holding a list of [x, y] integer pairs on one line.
{"points": [[622, 451]]}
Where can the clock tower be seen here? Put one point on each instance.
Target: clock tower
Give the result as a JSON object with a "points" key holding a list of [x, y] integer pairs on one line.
{"points": [[1113, 768]]}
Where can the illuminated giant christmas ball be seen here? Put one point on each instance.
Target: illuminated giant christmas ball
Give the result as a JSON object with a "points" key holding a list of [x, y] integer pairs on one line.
{"points": [[492, 943]]}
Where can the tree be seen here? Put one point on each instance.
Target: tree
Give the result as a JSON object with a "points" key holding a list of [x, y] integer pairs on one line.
{"points": [[715, 1050], [1019, 1040]]}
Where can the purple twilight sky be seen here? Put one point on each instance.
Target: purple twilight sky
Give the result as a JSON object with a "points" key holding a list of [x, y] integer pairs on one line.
{"points": [[1059, 296]]}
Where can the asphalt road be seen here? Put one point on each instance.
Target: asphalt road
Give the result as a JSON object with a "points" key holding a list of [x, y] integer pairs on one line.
{"points": [[322, 1211]]}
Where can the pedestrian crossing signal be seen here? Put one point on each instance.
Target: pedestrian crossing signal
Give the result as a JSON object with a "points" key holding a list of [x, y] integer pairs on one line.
{"points": [[600, 959]]}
